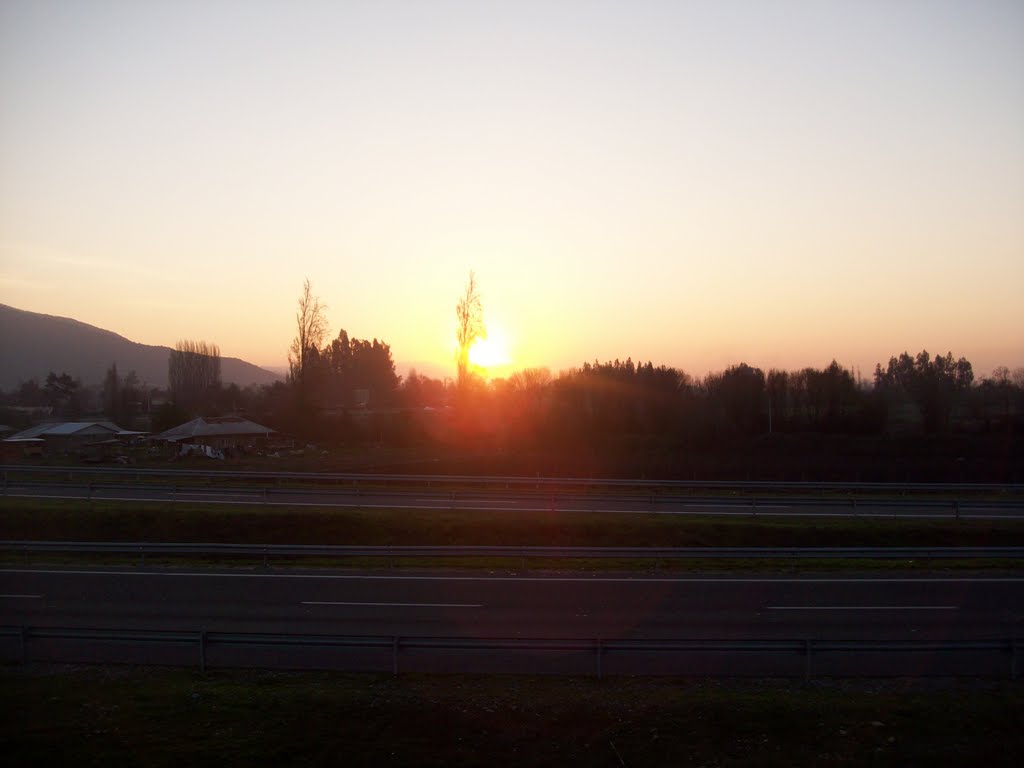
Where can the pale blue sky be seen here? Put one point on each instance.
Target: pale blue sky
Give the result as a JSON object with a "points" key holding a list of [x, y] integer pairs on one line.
{"points": [[694, 183]]}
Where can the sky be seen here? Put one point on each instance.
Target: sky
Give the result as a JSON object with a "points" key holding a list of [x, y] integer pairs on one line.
{"points": [[692, 183]]}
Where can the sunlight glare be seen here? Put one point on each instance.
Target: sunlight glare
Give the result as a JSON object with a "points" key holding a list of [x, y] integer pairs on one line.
{"points": [[490, 352]]}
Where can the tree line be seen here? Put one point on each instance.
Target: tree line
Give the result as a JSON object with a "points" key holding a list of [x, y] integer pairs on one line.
{"points": [[346, 389]]}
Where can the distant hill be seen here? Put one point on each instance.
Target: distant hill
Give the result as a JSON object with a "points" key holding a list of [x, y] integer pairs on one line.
{"points": [[32, 345], [428, 369]]}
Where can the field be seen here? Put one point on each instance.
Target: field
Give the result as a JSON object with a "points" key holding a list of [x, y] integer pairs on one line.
{"points": [[156, 717]]}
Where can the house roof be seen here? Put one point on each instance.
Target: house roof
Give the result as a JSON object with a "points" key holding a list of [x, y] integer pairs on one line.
{"points": [[67, 428], [32, 432], [214, 426], [74, 427]]}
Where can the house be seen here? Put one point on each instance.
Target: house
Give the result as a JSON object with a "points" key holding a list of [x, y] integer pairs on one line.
{"points": [[90, 439], [232, 432]]}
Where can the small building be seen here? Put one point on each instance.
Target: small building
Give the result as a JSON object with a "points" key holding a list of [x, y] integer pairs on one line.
{"points": [[13, 449], [92, 439], [231, 432]]}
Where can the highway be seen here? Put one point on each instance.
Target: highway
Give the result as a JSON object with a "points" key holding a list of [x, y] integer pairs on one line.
{"points": [[512, 500], [899, 608]]}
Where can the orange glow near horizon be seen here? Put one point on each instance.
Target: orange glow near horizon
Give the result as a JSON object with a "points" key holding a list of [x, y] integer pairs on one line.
{"points": [[828, 187], [490, 354]]}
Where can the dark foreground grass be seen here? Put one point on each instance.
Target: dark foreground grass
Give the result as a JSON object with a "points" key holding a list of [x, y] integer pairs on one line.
{"points": [[22, 519], [84, 716]]}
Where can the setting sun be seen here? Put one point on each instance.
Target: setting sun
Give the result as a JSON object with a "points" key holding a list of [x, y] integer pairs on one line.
{"points": [[490, 352]]}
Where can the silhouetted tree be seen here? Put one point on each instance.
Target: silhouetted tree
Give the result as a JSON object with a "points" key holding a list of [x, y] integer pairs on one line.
{"points": [[740, 396], [933, 385], [418, 391], [121, 398], [29, 393], [193, 375], [112, 394], [346, 365], [311, 328], [62, 393], [779, 399], [469, 317]]}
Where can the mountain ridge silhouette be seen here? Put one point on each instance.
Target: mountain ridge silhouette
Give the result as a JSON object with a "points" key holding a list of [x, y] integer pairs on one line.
{"points": [[32, 344]]}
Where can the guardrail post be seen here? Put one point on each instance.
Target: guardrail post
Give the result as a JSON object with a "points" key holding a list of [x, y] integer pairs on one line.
{"points": [[265, 564], [753, 506], [142, 556], [394, 656], [956, 508], [807, 661], [600, 666], [202, 651]]}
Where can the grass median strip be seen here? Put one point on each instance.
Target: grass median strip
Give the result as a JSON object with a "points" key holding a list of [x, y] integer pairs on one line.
{"points": [[116, 521]]}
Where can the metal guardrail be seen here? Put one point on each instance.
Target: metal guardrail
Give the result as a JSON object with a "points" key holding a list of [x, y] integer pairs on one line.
{"points": [[266, 551], [265, 492], [509, 482], [600, 649]]}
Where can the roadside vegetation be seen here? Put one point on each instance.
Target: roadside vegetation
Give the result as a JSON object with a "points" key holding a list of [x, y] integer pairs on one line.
{"points": [[35, 520], [27, 519], [60, 715]]}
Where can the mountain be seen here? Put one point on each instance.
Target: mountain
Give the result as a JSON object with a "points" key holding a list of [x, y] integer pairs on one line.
{"points": [[32, 345]]}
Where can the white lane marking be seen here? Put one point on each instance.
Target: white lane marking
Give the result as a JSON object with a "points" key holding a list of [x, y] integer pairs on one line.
{"points": [[545, 579], [22, 597], [447, 502], [862, 607], [748, 507], [397, 605], [214, 494]]}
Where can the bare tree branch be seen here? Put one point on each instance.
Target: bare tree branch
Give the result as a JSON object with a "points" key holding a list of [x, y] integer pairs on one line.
{"points": [[311, 330], [469, 315]]}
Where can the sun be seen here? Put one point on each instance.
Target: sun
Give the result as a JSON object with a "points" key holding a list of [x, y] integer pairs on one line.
{"points": [[490, 352]]}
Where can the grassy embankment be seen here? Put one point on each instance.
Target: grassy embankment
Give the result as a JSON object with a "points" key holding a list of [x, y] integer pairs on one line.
{"points": [[22, 519], [142, 716]]}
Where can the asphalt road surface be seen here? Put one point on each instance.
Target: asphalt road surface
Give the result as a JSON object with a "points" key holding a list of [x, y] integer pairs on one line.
{"points": [[513, 501], [922, 608]]}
